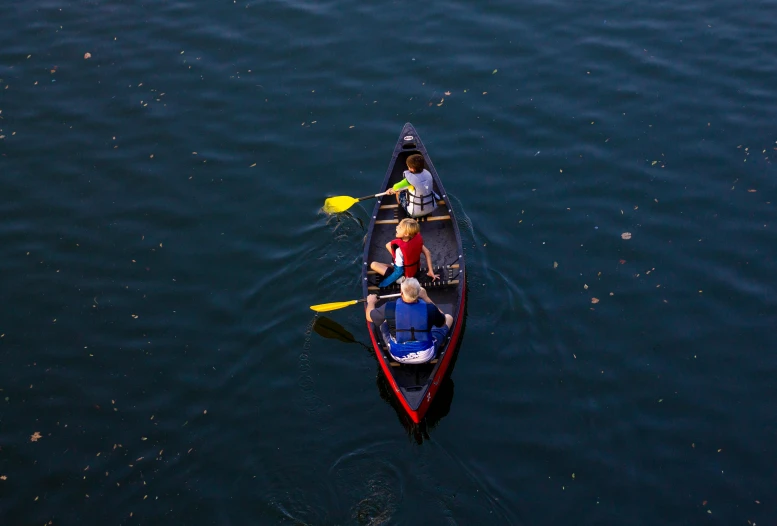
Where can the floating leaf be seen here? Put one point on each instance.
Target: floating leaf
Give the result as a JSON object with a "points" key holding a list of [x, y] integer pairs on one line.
{"points": [[86, 56], [594, 300], [626, 235], [35, 436]]}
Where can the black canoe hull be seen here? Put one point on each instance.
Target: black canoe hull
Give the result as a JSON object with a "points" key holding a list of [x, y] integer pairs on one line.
{"points": [[416, 385]]}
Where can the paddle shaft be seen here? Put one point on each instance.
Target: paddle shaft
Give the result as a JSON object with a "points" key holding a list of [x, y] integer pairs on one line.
{"points": [[383, 297], [370, 196]]}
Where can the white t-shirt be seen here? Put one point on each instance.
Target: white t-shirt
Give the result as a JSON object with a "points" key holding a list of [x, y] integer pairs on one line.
{"points": [[399, 259]]}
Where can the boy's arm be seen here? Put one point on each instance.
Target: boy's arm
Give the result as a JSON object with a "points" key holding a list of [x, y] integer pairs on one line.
{"points": [[429, 266], [404, 183]]}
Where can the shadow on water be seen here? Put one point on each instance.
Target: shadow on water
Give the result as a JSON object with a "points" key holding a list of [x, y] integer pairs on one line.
{"points": [[441, 406], [328, 328]]}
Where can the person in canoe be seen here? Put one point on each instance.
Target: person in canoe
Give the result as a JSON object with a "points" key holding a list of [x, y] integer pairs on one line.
{"points": [[420, 326], [405, 252], [418, 199]]}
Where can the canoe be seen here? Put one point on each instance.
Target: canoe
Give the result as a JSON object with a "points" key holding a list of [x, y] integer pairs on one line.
{"points": [[416, 385]]}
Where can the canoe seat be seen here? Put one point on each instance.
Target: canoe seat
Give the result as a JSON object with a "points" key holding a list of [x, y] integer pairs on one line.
{"points": [[449, 276], [439, 269], [427, 284], [397, 364]]}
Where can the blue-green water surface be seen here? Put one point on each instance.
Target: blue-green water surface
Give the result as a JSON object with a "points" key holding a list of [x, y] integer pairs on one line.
{"points": [[162, 169]]}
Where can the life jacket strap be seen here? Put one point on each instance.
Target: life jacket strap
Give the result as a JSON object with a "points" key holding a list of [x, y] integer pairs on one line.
{"points": [[422, 200], [413, 264]]}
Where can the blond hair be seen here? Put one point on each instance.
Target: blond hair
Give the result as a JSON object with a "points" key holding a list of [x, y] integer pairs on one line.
{"points": [[409, 227], [411, 289]]}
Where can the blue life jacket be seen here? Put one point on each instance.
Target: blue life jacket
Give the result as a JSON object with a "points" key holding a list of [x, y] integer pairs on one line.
{"points": [[412, 333]]}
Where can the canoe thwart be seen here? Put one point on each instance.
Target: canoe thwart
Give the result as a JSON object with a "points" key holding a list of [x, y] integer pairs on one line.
{"points": [[425, 218], [395, 205]]}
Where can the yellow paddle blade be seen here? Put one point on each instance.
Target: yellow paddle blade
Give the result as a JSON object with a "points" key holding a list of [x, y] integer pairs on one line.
{"points": [[338, 204], [326, 307]]}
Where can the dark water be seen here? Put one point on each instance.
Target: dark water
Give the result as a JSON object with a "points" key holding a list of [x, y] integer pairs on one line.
{"points": [[161, 242]]}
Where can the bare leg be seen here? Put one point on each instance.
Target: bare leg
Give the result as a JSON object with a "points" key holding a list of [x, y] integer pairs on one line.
{"points": [[378, 267], [449, 321]]}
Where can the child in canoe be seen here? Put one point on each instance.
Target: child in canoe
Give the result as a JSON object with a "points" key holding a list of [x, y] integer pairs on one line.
{"points": [[419, 198], [405, 252]]}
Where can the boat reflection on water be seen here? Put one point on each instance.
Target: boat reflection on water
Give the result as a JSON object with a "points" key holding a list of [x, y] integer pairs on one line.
{"points": [[440, 407], [328, 328]]}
